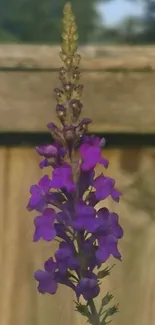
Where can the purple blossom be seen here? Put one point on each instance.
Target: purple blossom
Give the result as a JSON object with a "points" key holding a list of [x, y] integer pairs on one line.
{"points": [[91, 154], [47, 279], [47, 151], [44, 226], [39, 194], [44, 163], [108, 233], [54, 155], [88, 287], [104, 187], [65, 257], [107, 247], [85, 217], [62, 178]]}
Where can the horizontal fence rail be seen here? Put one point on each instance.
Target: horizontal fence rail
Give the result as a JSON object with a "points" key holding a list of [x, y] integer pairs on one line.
{"points": [[118, 83]]}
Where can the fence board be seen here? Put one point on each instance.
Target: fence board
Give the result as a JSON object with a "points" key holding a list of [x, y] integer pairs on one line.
{"points": [[93, 57], [132, 280], [118, 100]]}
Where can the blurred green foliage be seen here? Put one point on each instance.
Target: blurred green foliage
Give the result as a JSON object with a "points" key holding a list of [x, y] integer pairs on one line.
{"points": [[39, 21]]}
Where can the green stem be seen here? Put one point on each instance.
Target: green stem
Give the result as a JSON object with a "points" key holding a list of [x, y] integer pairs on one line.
{"points": [[95, 317]]}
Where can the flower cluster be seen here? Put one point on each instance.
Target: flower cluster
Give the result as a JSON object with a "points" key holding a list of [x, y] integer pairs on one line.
{"points": [[66, 201], [87, 236]]}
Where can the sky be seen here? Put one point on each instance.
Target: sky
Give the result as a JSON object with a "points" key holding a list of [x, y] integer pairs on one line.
{"points": [[115, 10]]}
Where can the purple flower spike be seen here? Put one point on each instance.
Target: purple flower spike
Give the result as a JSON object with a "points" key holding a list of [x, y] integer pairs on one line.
{"points": [[62, 178], [45, 226], [88, 287], [39, 193], [86, 236], [46, 279], [91, 154]]}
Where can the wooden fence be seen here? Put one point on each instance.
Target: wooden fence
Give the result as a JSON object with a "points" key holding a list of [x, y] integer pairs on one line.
{"points": [[119, 99]]}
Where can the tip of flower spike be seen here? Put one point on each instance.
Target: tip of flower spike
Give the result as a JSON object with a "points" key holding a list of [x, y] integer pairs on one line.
{"points": [[69, 35]]}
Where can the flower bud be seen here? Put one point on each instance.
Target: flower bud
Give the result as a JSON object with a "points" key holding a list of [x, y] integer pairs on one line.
{"points": [[76, 73], [76, 106], [60, 96], [61, 113], [62, 71], [79, 88], [58, 92], [69, 133], [82, 127], [56, 133], [68, 87], [77, 58]]}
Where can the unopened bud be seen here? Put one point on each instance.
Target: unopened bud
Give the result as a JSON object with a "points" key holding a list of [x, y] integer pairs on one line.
{"points": [[61, 113], [68, 62], [76, 73], [76, 59], [76, 106], [68, 87], [58, 92], [62, 71], [69, 133]]}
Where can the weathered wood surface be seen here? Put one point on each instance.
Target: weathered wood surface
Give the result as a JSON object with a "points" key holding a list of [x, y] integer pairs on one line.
{"points": [[121, 101], [93, 57], [132, 280]]}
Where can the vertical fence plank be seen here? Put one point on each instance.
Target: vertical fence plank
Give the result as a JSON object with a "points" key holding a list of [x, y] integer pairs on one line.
{"points": [[20, 301], [132, 280]]}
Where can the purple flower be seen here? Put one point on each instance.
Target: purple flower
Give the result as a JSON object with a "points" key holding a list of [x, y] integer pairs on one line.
{"points": [[107, 247], [108, 233], [109, 223], [47, 280], [88, 287], [44, 226], [104, 187], [44, 163], [54, 155], [84, 217], [91, 154], [39, 193], [65, 257], [47, 151], [62, 178]]}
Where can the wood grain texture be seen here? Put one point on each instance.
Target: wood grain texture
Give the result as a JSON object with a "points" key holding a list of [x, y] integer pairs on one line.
{"points": [[93, 57], [117, 102], [132, 280]]}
